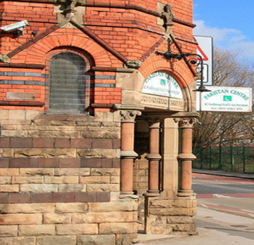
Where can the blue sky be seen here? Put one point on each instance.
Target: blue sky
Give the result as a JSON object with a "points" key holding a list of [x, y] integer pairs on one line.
{"points": [[229, 22]]}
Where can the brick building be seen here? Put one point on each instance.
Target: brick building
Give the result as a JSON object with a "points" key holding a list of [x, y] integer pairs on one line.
{"points": [[90, 116]]}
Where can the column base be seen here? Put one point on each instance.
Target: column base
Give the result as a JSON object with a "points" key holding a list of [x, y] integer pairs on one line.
{"points": [[185, 193], [126, 193], [152, 193]]}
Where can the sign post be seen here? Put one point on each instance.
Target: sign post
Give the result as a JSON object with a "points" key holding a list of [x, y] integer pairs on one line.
{"points": [[205, 50]]}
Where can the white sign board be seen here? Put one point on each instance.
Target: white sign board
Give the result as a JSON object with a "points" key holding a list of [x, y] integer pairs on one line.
{"points": [[162, 84], [225, 99], [205, 50]]}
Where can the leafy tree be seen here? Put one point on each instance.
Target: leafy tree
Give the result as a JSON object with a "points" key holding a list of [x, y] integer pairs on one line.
{"points": [[224, 127]]}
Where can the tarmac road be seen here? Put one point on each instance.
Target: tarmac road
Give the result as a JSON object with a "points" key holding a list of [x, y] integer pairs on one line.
{"points": [[227, 194]]}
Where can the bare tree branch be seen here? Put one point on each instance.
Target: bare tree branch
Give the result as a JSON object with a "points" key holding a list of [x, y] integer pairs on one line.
{"points": [[226, 128]]}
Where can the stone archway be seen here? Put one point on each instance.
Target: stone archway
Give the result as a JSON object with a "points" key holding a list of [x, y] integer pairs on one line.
{"points": [[150, 151]]}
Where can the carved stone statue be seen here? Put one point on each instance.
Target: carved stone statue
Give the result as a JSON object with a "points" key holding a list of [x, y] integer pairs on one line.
{"points": [[167, 16], [69, 5]]}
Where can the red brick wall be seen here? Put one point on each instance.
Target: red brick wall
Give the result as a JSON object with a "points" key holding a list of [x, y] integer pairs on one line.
{"points": [[129, 29]]}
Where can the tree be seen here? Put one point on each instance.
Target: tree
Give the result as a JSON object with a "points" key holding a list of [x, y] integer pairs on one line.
{"points": [[226, 128]]}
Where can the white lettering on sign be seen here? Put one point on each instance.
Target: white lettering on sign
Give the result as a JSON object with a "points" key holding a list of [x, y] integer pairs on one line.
{"points": [[227, 99]]}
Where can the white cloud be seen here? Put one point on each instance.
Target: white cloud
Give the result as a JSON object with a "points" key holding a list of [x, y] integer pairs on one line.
{"points": [[231, 39], [217, 34]]}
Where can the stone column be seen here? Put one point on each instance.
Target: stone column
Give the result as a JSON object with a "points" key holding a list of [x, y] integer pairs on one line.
{"points": [[186, 156], [127, 150], [154, 157], [170, 154]]}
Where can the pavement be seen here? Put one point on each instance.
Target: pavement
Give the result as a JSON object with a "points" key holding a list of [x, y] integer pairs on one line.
{"points": [[214, 226], [222, 173]]}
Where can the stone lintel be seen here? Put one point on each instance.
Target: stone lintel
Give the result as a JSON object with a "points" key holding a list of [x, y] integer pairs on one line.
{"points": [[129, 107], [185, 115]]}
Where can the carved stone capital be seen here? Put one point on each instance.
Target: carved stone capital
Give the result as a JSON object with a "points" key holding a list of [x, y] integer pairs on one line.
{"points": [[4, 58], [129, 115], [185, 122], [154, 122]]}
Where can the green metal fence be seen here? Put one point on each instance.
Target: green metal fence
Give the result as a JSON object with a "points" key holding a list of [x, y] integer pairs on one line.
{"points": [[238, 159]]}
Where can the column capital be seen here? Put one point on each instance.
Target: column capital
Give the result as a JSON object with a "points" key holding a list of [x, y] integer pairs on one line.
{"points": [[129, 115], [129, 154], [186, 122]]}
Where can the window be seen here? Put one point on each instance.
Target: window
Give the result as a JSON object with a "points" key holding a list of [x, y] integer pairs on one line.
{"points": [[67, 83]]}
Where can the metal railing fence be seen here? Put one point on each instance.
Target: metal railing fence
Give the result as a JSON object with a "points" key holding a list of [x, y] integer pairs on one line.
{"points": [[239, 159]]}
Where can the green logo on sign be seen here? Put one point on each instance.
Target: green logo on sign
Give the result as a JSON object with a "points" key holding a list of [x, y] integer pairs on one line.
{"points": [[163, 82], [227, 98]]}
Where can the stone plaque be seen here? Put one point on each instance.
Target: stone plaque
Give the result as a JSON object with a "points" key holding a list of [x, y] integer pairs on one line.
{"points": [[20, 96]]}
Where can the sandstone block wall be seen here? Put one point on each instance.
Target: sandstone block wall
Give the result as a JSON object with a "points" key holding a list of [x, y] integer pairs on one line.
{"points": [[60, 180], [167, 216]]}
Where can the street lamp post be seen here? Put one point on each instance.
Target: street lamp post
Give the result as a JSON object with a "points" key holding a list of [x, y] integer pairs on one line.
{"points": [[169, 55]]}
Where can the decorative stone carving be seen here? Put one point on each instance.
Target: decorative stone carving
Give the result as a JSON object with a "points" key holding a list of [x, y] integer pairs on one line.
{"points": [[129, 116], [185, 122], [4, 58], [134, 63], [71, 3], [70, 10], [154, 122], [68, 6], [168, 17]]}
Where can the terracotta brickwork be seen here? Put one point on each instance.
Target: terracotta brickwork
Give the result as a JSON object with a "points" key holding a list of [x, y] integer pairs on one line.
{"points": [[83, 176]]}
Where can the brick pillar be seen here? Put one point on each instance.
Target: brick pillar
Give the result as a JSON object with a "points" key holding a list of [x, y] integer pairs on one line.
{"points": [[154, 157], [186, 156], [127, 150]]}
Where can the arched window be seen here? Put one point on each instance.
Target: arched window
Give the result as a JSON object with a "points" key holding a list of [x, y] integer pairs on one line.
{"points": [[67, 83]]}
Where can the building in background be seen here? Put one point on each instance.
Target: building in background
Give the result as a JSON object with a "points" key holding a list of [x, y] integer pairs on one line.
{"points": [[90, 116]]}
